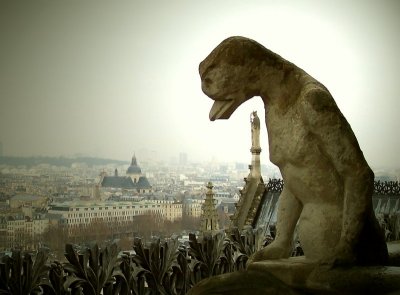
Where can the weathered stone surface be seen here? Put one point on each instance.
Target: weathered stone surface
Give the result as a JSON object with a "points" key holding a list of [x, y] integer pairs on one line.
{"points": [[298, 275], [394, 253], [243, 282], [312, 278], [328, 183]]}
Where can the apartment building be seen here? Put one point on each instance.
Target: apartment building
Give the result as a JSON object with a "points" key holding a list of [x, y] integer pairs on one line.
{"points": [[23, 232], [77, 214], [192, 207], [172, 211]]}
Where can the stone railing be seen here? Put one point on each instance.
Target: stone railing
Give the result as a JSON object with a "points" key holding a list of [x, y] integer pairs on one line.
{"points": [[275, 185], [380, 187], [390, 188]]}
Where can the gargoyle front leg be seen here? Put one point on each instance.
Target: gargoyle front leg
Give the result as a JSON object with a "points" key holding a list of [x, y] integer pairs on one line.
{"points": [[288, 214]]}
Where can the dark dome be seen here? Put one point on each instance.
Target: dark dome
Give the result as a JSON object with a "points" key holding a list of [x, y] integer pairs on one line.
{"points": [[134, 168]]}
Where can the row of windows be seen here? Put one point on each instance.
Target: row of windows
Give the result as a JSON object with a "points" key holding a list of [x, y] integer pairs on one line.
{"points": [[19, 232], [13, 227], [86, 221], [114, 207], [117, 213], [114, 223]]}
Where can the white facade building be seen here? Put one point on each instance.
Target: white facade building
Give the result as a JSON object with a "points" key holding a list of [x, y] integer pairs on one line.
{"points": [[77, 214]]}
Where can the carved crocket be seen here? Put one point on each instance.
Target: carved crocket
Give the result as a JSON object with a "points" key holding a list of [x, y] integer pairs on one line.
{"points": [[328, 183]]}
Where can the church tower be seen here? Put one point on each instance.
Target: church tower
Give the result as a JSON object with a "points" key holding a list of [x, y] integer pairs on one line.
{"points": [[209, 216], [134, 171], [134, 180]]}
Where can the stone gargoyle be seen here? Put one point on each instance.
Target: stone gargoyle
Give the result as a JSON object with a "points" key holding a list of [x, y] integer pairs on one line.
{"points": [[328, 183]]}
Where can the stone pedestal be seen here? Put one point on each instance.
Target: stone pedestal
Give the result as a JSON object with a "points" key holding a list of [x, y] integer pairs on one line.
{"points": [[297, 275], [307, 277]]}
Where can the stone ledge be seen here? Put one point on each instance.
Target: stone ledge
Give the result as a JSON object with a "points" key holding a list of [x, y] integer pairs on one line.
{"points": [[296, 276], [311, 278], [242, 283]]}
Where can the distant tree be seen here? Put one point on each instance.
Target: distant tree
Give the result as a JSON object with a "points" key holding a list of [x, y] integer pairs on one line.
{"points": [[147, 225], [97, 231], [172, 227], [57, 161], [190, 223], [125, 244], [55, 238]]}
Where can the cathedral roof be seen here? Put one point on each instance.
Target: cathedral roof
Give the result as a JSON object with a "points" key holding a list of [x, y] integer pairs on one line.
{"points": [[143, 183], [117, 182], [125, 182]]}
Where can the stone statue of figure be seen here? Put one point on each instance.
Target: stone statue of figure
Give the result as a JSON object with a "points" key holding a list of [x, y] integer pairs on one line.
{"points": [[255, 130], [328, 183]]}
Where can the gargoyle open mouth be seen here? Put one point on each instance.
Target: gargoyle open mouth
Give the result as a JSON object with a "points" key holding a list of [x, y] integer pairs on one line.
{"points": [[223, 109]]}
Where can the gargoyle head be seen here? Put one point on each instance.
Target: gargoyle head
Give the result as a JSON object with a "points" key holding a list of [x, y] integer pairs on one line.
{"points": [[230, 74]]}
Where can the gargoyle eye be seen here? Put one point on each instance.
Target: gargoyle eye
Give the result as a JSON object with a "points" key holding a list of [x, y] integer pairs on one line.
{"points": [[206, 71], [207, 81]]}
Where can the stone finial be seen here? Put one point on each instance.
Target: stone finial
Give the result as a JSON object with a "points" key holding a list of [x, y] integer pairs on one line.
{"points": [[209, 217], [255, 133]]}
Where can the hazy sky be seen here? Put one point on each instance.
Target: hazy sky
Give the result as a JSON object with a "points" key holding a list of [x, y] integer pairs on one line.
{"points": [[108, 78]]}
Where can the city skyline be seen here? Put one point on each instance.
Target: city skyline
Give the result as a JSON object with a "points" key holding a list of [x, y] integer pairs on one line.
{"points": [[111, 79]]}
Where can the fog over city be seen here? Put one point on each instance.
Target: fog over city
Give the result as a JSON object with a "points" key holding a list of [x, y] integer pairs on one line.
{"points": [[110, 78]]}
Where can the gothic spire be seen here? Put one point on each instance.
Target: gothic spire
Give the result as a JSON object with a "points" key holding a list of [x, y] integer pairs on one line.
{"points": [[134, 163], [209, 217]]}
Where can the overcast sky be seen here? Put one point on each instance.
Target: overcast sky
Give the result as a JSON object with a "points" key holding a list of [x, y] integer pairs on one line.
{"points": [[110, 78]]}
